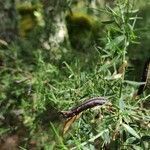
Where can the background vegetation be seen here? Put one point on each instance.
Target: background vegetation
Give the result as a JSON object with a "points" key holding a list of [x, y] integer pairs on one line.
{"points": [[55, 54]]}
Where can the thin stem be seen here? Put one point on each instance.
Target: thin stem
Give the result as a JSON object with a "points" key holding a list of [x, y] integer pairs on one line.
{"points": [[126, 43]]}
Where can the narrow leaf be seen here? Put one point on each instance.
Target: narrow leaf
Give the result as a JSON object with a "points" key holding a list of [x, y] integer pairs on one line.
{"points": [[134, 82], [69, 122], [131, 130]]}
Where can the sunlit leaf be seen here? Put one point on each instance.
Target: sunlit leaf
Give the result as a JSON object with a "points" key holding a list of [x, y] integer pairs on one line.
{"points": [[134, 82], [121, 104], [106, 136], [2, 42], [131, 130], [136, 141]]}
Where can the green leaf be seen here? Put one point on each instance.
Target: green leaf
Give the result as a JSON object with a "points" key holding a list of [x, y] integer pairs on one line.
{"points": [[136, 141], [119, 39], [121, 104], [108, 22], [134, 82], [131, 130]]}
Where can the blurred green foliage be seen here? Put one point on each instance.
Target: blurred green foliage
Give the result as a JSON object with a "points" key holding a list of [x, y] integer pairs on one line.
{"points": [[30, 17], [36, 84], [83, 30]]}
